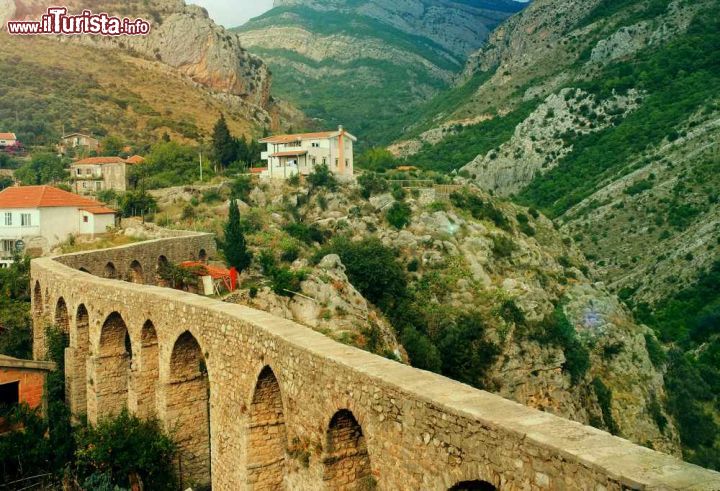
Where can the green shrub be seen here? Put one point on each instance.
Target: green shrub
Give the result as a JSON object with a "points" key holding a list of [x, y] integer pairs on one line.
{"points": [[308, 234], [556, 330], [211, 196], [399, 215], [322, 177], [372, 184], [372, 268], [503, 247], [655, 351], [480, 209], [466, 354], [126, 445], [421, 350], [604, 396]]}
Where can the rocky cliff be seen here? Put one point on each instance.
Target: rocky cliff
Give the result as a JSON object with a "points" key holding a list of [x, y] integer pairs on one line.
{"points": [[492, 287], [183, 42]]}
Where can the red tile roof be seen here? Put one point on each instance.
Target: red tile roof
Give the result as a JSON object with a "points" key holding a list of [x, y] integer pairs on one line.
{"points": [[290, 154], [44, 197], [8, 136], [135, 159], [99, 210], [99, 160], [298, 137], [258, 170]]}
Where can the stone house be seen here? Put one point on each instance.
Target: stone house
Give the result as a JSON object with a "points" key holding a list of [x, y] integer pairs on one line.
{"points": [[79, 142], [100, 173], [22, 382], [41, 217], [288, 155]]}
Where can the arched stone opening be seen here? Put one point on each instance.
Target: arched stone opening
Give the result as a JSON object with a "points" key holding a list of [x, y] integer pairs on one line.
{"points": [[187, 410], [162, 267], [76, 373], [112, 368], [146, 373], [267, 437], [135, 274], [83, 270], [202, 255], [346, 458], [62, 317], [476, 485], [110, 271], [37, 300]]}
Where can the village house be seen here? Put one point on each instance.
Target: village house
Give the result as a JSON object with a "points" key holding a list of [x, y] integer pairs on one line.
{"points": [[78, 141], [38, 218], [100, 173], [8, 140], [288, 155], [22, 382]]}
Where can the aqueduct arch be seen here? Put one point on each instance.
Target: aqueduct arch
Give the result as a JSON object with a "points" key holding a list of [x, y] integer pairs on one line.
{"points": [[111, 271], [62, 317], [267, 436], [344, 412], [187, 409], [77, 362], [346, 460], [109, 383], [473, 486], [135, 273], [146, 373]]}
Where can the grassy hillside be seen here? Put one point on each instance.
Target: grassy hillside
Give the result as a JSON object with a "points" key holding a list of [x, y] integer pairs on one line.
{"points": [[47, 86]]}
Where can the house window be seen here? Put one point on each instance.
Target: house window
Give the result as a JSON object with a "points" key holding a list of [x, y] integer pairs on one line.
{"points": [[78, 172], [85, 219], [10, 394], [336, 162], [316, 145], [7, 246], [8, 219], [84, 185], [324, 161], [26, 220]]}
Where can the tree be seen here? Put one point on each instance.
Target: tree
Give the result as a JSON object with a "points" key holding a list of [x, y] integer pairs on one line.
{"points": [[112, 146], [224, 146], [322, 177], [377, 160], [44, 168], [234, 245]]}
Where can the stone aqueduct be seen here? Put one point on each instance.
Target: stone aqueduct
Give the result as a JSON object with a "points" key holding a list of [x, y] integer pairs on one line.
{"points": [[259, 402]]}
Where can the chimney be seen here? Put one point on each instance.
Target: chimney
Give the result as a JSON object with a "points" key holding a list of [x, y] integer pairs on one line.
{"points": [[340, 128]]}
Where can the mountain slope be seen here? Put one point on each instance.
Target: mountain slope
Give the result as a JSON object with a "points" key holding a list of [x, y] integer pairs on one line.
{"points": [[605, 115], [177, 79], [366, 64]]}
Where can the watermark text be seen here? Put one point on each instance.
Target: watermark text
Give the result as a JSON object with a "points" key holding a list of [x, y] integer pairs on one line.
{"points": [[57, 21]]}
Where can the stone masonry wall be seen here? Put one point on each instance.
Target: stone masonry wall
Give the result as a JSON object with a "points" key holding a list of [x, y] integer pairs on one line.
{"points": [[419, 430]]}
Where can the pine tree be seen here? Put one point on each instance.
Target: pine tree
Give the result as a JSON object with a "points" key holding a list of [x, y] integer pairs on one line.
{"points": [[234, 244], [224, 146]]}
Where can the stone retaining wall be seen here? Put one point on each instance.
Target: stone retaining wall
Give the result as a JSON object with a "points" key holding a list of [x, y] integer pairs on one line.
{"points": [[343, 418]]}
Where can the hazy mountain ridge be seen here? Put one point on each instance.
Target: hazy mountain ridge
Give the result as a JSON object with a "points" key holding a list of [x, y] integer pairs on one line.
{"points": [[366, 64]]}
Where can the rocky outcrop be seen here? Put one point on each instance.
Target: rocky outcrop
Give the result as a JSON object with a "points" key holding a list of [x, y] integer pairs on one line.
{"points": [[546, 136], [182, 37]]}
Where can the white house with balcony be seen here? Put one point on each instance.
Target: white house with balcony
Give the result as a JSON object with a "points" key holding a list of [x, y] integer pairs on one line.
{"points": [[288, 155], [41, 217]]}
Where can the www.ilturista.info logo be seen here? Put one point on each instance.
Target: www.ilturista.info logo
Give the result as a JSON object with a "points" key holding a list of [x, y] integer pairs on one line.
{"points": [[57, 21]]}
